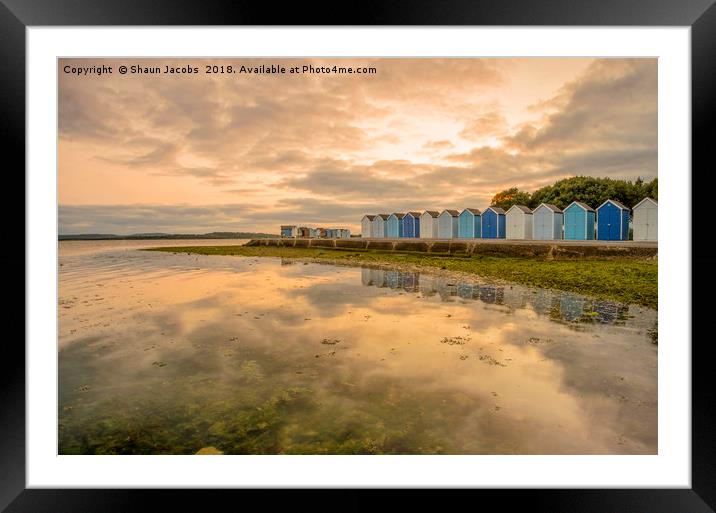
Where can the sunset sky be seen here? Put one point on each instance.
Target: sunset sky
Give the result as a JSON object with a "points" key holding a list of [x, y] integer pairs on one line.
{"points": [[234, 152]]}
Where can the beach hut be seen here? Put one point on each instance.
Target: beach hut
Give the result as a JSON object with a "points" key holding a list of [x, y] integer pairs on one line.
{"points": [[395, 225], [579, 221], [312, 232], [612, 221], [447, 224], [344, 233], [411, 224], [366, 226], [469, 225], [645, 221], [322, 234], [547, 222], [493, 223], [288, 231], [379, 225], [519, 222], [429, 224], [302, 231]]}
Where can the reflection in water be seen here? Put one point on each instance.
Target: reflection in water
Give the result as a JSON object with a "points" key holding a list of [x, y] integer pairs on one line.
{"points": [[162, 353], [557, 305]]}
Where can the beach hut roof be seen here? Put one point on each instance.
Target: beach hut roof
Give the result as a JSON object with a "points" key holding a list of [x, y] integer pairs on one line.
{"points": [[433, 213], [496, 210], [370, 217], [398, 215], [383, 216], [473, 211], [287, 226], [549, 206], [646, 199], [450, 211], [414, 214], [583, 205], [523, 208], [614, 202]]}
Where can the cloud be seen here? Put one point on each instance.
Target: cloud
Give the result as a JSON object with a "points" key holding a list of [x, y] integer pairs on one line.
{"points": [[613, 103], [603, 123], [489, 124], [264, 150], [161, 154], [438, 145], [233, 217]]}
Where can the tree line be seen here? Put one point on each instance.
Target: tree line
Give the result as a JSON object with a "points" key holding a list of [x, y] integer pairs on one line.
{"points": [[587, 189]]}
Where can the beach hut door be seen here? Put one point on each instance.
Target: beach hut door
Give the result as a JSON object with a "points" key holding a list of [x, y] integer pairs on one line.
{"points": [[651, 223], [614, 223], [490, 230], [571, 222], [544, 226]]}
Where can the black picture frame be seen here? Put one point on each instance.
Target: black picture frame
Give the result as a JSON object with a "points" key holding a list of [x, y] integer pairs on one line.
{"points": [[700, 15]]}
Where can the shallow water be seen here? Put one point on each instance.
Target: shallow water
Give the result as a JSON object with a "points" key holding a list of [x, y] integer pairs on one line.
{"points": [[168, 354]]}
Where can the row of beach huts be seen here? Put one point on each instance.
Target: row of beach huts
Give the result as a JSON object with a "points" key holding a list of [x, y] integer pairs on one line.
{"points": [[314, 233], [610, 221]]}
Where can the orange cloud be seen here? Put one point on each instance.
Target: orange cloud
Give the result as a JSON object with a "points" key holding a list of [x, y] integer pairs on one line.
{"points": [[417, 134]]}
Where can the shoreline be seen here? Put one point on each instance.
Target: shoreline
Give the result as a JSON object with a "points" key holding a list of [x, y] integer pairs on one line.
{"points": [[628, 281]]}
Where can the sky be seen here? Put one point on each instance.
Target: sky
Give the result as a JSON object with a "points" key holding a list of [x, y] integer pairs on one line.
{"points": [[195, 153]]}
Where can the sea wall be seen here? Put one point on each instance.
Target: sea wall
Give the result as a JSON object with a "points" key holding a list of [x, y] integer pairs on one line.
{"points": [[558, 249]]}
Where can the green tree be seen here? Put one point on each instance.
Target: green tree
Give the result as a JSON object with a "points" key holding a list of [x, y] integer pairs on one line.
{"points": [[587, 189], [509, 197], [593, 191]]}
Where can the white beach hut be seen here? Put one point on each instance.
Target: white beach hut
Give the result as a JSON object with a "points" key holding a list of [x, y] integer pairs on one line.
{"points": [[366, 226], [519, 222], [547, 222], [448, 224], [429, 224], [646, 220], [380, 223]]}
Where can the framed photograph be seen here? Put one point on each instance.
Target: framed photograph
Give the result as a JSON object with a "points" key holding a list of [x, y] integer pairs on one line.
{"points": [[419, 250]]}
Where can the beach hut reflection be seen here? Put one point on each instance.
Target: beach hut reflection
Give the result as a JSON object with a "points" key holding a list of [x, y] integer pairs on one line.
{"points": [[559, 306], [492, 295], [571, 307]]}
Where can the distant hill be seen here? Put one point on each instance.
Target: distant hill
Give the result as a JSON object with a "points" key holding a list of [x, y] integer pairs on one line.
{"points": [[153, 236]]}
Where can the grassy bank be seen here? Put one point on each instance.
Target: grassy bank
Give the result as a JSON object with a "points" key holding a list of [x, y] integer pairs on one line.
{"points": [[629, 281]]}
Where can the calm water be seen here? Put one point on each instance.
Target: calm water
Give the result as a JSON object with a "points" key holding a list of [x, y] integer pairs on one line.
{"points": [[169, 354]]}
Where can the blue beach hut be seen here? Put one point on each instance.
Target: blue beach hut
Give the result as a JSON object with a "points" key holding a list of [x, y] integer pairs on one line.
{"points": [[579, 221], [493, 223], [469, 224], [395, 225], [288, 231], [612, 221], [411, 225]]}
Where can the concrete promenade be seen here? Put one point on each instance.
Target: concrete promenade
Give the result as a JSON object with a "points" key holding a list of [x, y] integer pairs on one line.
{"points": [[493, 247]]}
